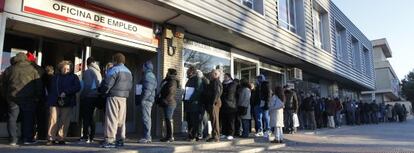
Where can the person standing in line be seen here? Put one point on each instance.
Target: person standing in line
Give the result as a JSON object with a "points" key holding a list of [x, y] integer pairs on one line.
{"points": [[228, 112], [116, 86], [291, 107], [308, 106], [338, 112], [276, 115], [261, 106], [243, 107], [61, 100], [89, 98], [149, 84], [192, 103], [22, 88], [168, 102], [331, 111], [203, 131], [214, 91]]}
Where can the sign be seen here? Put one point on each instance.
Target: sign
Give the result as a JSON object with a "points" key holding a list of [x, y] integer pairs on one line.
{"points": [[96, 21]]}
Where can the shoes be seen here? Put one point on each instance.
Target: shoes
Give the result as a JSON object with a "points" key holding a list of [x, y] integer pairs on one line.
{"points": [[108, 145], [259, 134], [230, 137], [51, 142], [192, 139], [62, 142], [223, 136], [167, 139], [13, 142], [119, 143], [143, 140], [275, 141], [30, 142], [89, 141], [213, 140], [267, 134]]}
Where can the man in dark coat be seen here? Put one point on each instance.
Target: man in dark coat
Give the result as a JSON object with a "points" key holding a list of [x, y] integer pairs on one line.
{"points": [[213, 105], [309, 110], [291, 107], [192, 103], [228, 112], [22, 87]]}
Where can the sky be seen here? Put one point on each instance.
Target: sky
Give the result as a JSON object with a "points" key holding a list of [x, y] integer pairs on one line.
{"points": [[390, 19]]}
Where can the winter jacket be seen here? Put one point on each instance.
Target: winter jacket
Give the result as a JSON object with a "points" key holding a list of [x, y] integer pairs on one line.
{"points": [[255, 98], [265, 94], [21, 81], [168, 91], [91, 80], [292, 102], [244, 101], [213, 94], [228, 98], [117, 82], [331, 108], [308, 104], [149, 84], [193, 104], [68, 83]]}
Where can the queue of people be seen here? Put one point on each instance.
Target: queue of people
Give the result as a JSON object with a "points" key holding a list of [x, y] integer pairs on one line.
{"points": [[214, 109]]}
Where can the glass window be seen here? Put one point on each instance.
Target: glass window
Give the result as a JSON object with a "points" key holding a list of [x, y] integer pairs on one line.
{"points": [[287, 14], [338, 42], [356, 54], [317, 29], [367, 62], [205, 62], [248, 3]]}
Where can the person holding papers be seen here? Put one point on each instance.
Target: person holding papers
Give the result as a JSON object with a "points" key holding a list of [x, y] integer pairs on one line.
{"points": [[168, 102], [192, 103]]}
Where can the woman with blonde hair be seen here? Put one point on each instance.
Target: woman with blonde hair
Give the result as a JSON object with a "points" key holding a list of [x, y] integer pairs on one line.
{"points": [[61, 99]]}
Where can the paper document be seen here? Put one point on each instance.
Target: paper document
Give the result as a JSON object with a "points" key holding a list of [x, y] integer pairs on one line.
{"points": [[138, 89], [188, 93]]}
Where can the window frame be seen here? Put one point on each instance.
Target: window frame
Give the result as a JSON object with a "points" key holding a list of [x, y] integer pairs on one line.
{"points": [[251, 1], [318, 29], [289, 26], [338, 43]]}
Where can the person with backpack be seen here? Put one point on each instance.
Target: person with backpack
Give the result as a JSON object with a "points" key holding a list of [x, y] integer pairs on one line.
{"points": [[291, 108]]}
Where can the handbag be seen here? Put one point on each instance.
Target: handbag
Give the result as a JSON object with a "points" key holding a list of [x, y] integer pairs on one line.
{"points": [[295, 120], [61, 101]]}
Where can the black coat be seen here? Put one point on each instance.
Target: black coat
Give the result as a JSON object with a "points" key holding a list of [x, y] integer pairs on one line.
{"points": [[213, 94], [228, 98], [168, 91], [194, 104]]}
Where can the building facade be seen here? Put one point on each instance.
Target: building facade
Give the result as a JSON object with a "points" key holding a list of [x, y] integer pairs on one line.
{"points": [[387, 84], [308, 44]]}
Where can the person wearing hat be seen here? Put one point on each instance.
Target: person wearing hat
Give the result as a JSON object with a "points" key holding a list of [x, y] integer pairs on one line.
{"points": [[149, 83], [22, 87]]}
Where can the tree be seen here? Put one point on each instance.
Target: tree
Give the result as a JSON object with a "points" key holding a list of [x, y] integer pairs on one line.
{"points": [[407, 88]]}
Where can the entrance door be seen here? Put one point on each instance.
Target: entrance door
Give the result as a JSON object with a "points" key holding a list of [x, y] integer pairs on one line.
{"points": [[245, 69]]}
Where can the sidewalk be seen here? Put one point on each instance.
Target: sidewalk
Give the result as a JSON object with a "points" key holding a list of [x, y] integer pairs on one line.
{"points": [[238, 145]]}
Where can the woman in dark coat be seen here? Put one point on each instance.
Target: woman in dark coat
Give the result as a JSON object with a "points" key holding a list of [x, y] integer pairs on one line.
{"points": [[61, 99], [168, 103]]}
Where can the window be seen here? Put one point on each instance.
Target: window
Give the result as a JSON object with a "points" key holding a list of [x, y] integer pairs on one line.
{"points": [[340, 42], [287, 14], [320, 27], [356, 56], [256, 5], [367, 62], [248, 3]]}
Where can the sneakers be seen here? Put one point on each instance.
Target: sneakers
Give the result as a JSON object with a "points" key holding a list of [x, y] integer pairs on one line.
{"points": [[230, 137], [223, 136], [259, 134], [30, 142], [143, 140], [119, 143], [50, 142], [167, 139], [108, 145], [267, 134]]}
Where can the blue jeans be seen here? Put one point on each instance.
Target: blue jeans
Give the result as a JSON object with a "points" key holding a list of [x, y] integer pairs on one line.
{"points": [[168, 112], [261, 115], [146, 108], [246, 127]]}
